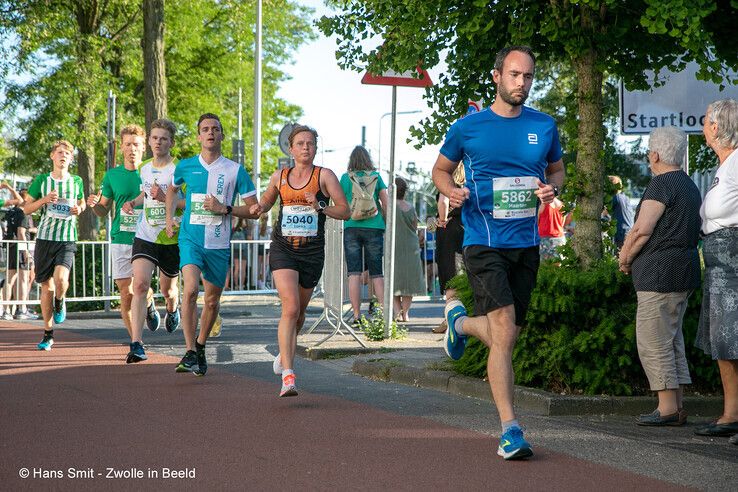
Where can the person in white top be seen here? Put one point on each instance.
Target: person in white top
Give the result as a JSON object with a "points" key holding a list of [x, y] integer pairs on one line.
{"points": [[152, 247], [717, 334]]}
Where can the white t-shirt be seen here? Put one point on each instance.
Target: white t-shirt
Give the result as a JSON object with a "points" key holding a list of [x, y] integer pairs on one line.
{"points": [[152, 221], [720, 206]]}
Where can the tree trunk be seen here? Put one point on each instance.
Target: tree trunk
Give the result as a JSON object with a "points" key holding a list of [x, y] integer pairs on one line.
{"points": [[87, 222], [155, 81], [590, 168]]}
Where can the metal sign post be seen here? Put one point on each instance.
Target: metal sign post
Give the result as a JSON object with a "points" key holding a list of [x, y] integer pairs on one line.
{"points": [[417, 78], [109, 164], [389, 235]]}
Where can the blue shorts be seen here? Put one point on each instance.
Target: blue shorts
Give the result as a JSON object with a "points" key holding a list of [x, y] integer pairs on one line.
{"points": [[363, 248], [213, 263]]}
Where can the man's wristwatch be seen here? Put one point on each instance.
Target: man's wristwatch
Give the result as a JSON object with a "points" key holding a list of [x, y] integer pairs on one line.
{"points": [[229, 209], [321, 206], [556, 190]]}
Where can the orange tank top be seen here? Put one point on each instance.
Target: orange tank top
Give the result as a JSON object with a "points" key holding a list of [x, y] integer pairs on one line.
{"points": [[299, 225]]}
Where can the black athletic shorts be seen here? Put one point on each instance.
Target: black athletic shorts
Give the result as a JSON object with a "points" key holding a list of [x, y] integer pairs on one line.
{"points": [[308, 265], [164, 256], [500, 277], [50, 254], [16, 261]]}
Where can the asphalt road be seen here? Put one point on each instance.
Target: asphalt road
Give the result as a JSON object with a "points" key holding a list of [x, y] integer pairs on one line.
{"points": [[80, 407]]}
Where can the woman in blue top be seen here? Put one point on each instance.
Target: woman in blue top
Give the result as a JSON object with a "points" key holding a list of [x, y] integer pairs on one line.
{"points": [[363, 240]]}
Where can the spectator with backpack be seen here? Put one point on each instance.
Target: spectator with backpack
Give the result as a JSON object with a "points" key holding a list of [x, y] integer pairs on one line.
{"points": [[363, 236]]}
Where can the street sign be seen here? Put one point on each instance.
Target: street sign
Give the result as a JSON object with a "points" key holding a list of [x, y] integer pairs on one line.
{"points": [[284, 163], [680, 102], [403, 79], [475, 106], [284, 134]]}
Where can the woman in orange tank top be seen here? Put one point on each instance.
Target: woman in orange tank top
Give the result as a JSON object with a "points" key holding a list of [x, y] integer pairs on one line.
{"points": [[296, 254]]}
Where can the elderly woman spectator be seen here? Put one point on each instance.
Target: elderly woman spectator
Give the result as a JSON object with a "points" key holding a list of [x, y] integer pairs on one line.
{"points": [[717, 334], [661, 253]]}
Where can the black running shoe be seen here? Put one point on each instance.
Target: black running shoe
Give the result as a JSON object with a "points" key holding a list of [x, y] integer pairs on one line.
{"points": [[189, 360], [153, 318], [137, 353], [202, 363]]}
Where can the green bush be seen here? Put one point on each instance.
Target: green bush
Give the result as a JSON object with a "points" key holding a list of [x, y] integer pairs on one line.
{"points": [[374, 328], [580, 335]]}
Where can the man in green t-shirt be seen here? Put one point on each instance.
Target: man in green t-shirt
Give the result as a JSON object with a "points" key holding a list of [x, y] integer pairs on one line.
{"points": [[60, 197], [122, 184]]}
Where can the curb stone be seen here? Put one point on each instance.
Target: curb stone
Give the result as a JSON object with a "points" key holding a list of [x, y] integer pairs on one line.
{"points": [[531, 399]]}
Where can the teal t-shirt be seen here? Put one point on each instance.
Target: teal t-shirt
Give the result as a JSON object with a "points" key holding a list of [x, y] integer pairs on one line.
{"points": [[376, 222], [121, 185]]}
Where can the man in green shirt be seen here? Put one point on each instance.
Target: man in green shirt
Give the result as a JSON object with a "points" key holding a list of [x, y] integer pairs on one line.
{"points": [[122, 184], [60, 195]]}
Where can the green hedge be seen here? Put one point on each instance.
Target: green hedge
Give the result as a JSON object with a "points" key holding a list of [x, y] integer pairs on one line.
{"points": [[580, 335]]}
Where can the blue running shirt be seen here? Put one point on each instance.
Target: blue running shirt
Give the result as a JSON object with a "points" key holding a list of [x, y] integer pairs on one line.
{"points": [[502, 158], [223, 179]]}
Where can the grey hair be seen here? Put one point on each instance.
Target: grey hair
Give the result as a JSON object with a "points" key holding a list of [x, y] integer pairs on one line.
{"points": [[670, 143], [725, 113], [360, 160]]}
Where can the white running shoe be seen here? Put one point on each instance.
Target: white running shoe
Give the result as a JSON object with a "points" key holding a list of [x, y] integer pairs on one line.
{"points": [[277, 365], [288, 386]]}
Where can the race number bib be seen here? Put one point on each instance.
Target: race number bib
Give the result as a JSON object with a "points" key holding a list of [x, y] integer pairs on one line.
{"points": [[155, 212], [62, 209], [514, 198], [299, 220], [128, 221], [198, 214]]}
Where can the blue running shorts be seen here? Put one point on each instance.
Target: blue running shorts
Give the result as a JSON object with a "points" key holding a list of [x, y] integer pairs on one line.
{"points": [[213, 263]]}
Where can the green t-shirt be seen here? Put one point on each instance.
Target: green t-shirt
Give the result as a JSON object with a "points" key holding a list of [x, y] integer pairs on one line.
{"points": [[121, 185], [57, 223], [376, 222]]}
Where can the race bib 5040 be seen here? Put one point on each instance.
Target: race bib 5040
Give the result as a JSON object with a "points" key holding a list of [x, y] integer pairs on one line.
{"points": [[299, 220]]}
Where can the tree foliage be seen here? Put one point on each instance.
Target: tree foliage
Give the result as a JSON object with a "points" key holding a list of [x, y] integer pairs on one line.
{"points": [[209, 55], [620, 38]]}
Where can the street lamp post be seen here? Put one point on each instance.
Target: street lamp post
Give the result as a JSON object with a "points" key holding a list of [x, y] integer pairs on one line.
{"points": [[379, 147]]}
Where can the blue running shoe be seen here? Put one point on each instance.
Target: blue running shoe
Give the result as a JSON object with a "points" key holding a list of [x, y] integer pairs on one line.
{"points": [[60, 311], [46, 343], [153, 318], [137, 353], [172, 320], [453, 343], [513, 445]]}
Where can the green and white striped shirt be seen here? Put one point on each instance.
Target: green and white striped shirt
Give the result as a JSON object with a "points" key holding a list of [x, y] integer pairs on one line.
{"points": [[57, 223]]}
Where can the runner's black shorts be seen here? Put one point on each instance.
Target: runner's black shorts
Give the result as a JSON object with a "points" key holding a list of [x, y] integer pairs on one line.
{"points": [[501, 277], [50, 254], [18, 260], [308, 265], [164, 256]]}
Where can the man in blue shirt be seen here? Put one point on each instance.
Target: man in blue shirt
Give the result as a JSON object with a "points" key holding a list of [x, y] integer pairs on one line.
{"points": [[512, 159], [212, 184], [621, 210]]}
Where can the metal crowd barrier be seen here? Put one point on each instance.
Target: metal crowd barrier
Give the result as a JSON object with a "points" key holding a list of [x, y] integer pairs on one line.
{"points": [[334, 284], [90, 279]]}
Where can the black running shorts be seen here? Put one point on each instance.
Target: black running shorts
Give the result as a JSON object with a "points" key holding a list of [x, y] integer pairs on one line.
{"points": [[308, 265], [501, 277], [164, 256], [50, 254]]}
